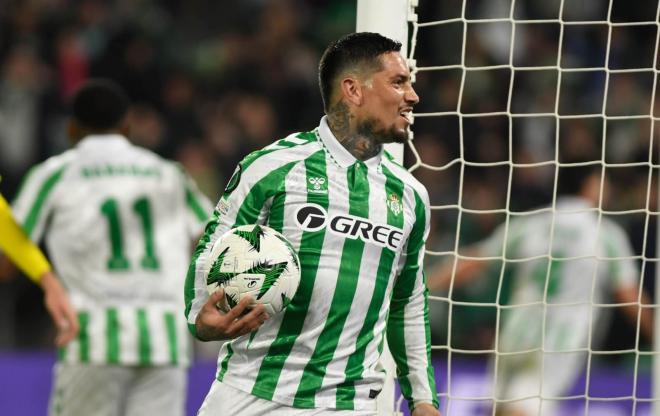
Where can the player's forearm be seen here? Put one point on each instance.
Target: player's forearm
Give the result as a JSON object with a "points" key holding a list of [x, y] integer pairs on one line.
{"points": [[462, 271], [17, 246], [635, 311], [411, 347]]}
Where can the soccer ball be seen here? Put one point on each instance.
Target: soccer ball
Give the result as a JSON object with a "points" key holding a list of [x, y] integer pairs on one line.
{"points": [[256, 261]]}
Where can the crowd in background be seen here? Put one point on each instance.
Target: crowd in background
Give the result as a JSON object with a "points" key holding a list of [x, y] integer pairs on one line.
{"points": [[211, 82]]}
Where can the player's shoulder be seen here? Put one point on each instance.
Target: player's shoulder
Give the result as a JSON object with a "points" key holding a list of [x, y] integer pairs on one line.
{"points": [[56, 164], [613, 229], [405, 176], [149, 157], [294, 147]]}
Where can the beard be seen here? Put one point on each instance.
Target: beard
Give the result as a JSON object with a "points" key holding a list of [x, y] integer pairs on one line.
{"points": [[391, 134]]}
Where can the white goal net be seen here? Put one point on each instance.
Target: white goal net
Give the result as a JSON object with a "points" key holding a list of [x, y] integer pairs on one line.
{"points": [[518, 100]]}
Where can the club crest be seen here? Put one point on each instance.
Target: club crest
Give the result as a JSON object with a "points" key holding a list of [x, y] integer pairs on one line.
{"points": [[394, 204]]}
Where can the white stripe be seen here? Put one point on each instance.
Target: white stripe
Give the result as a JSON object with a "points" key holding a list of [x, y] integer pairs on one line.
{"points": [[72, 353], [97, 336], [128, 336], [292, 187], [160, 345]]}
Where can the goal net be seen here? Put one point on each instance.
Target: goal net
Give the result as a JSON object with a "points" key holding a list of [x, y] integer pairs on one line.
{"points": [[517, 99]]}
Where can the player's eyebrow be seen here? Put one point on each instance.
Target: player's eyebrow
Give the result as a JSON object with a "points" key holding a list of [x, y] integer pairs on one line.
{"points": [[400, 76]]}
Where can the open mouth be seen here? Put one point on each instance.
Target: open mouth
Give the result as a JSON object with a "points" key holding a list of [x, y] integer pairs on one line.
{"points": [[407, 115]]}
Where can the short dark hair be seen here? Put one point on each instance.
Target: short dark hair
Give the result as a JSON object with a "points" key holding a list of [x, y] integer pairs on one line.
{"points": [[571, 179], [99, 104], [350, 51]]}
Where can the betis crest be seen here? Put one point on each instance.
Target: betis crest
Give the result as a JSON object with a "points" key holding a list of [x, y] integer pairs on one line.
{"points": [[394, 204]]}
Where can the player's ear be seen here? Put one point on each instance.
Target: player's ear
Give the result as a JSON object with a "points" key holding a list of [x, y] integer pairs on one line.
{"points": [[351, 90], [124, 127], [74, 131]]}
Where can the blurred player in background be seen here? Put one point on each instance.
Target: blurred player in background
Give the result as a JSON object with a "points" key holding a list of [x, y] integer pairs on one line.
{"points": [[591, 258], [15, 245], [359, 222], [119, 222]]}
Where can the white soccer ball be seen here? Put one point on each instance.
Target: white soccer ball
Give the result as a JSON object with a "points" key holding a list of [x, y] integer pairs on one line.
{"points": [[256, 261]]}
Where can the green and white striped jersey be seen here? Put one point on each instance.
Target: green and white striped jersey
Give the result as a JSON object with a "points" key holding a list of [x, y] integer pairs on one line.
{"points": [[556, 285], [118, 222], [359, 229]]}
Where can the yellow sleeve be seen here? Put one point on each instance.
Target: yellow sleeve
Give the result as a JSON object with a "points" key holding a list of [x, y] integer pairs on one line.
{"points": [[17, 246]]}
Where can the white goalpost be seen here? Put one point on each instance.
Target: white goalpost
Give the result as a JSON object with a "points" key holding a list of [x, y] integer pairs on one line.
{"points": [[541, 80]]}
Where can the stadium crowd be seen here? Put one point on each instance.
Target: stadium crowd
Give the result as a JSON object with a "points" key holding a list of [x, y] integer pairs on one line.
{"points": [[210, 83]]}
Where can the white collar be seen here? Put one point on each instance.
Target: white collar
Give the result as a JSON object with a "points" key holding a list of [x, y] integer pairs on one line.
{"points": [[338, 152], [107, 139]]}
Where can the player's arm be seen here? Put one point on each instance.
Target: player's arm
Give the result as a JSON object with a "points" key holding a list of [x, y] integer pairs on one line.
{"points": [[624, 274], [198, 207], [16, 245], [59, 308], [473, 263], [408, 331], [463, 270], [31, 261], [634, 300], [245, 201], [29, 258]]}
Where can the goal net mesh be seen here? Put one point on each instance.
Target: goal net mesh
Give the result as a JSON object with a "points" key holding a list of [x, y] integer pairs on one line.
{"points": [[514, 93]]}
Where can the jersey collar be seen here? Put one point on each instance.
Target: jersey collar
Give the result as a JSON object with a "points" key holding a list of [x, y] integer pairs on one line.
{"points": [[338, 152], [106, 139]]}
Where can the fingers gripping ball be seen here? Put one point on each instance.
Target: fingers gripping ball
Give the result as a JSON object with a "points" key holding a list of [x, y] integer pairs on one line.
{"points": [[256, 261]]}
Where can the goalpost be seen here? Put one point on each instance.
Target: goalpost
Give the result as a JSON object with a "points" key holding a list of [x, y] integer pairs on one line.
{"points": [[547, 96]]}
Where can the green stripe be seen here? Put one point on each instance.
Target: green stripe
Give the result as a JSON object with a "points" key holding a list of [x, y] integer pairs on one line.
{"points": [[144, 343], [62, 353], [402, 291], [276, 214], [275, 146], [46, 187], [83, 336], [342, 299], [112, 336], [225, 363], [195, 206], [267, 187], [170, 327], [294, 315], [355, 365]]}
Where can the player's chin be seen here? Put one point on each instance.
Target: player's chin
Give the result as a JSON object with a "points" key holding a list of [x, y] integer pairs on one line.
{"points": [[400, 135]]}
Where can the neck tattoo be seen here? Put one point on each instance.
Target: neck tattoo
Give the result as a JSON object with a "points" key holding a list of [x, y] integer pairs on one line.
{"points": [[359, 143]]}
